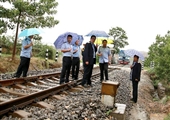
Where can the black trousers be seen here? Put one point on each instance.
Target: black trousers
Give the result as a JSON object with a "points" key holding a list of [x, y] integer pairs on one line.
{"points": [[87, 74], [83, 62], [103, 69], [75, 67], [135, 90], [65, 70], [23, 67]]}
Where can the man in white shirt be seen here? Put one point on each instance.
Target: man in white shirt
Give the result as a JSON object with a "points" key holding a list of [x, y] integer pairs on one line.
{"points": [[66, 48], [76, 60], [104, 54]]}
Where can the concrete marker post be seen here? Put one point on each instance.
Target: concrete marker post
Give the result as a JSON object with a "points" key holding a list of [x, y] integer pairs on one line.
{"points": [[0, 51], [56, 57], [46, 59], [46, 55], [142, 65], [153, 64]]}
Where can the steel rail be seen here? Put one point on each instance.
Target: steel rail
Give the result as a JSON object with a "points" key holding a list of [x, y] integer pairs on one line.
{"points": [[10, 82], [21, 102]]}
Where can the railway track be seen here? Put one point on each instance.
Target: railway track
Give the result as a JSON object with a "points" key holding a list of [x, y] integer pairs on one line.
{"points": [[24, 91], [118, 65]]}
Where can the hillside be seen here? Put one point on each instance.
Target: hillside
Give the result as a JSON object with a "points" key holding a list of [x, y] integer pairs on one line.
{"points": [[7, 65]]}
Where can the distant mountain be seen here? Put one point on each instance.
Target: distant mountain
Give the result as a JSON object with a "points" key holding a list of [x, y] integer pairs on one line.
{"points": [[145, 54]]}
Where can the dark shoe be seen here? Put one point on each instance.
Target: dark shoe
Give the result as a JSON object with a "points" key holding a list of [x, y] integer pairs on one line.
{"points": [[84, 86], [66, 81], [15, 76], [61, 83], [131, 99], [90, 85]]}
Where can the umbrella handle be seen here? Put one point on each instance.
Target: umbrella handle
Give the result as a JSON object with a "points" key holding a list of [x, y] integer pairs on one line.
{"points": [[97, 41]]}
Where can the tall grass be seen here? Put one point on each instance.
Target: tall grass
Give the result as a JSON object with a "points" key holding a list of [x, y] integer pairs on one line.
{"points": [[168, 117]]}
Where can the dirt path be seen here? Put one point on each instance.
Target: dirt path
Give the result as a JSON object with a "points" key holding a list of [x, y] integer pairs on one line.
{"points": [[146, 108], [138, 111]]}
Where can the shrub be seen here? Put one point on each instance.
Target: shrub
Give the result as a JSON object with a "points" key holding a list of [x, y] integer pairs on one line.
{"points": [[168, 117], [41, 51]]}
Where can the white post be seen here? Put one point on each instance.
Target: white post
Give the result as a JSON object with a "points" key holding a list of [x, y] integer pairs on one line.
{"points": [[153, 64], [142, 65], [46, 55], [0, 51], [56, 57]]}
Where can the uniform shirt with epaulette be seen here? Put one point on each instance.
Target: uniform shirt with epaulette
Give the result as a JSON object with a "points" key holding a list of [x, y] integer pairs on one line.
{"points": [[105, 54], [26, 52], [76, 54], [67, 45]]}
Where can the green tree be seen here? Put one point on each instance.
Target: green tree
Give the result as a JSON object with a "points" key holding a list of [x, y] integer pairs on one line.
{"points": [[5, 41], [6, 1], [3, 26], [159, 53], [27, 14], [119, 37]]}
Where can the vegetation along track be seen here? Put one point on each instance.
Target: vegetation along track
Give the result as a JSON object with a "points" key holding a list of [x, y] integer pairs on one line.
{"points": [[24, 91]]}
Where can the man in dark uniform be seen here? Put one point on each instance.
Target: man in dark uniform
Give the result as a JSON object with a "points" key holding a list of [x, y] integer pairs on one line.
{"points": [[135, 77], [66, 48], [89, 57]]}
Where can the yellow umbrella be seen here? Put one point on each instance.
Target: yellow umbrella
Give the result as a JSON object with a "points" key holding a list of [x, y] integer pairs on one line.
{"points": [[99, 41]]}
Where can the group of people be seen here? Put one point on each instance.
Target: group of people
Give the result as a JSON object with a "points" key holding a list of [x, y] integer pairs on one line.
{"points": [[71, 58]]}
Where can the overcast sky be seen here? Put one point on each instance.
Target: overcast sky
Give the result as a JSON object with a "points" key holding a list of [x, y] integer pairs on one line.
{"points": [[141, 19]]}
